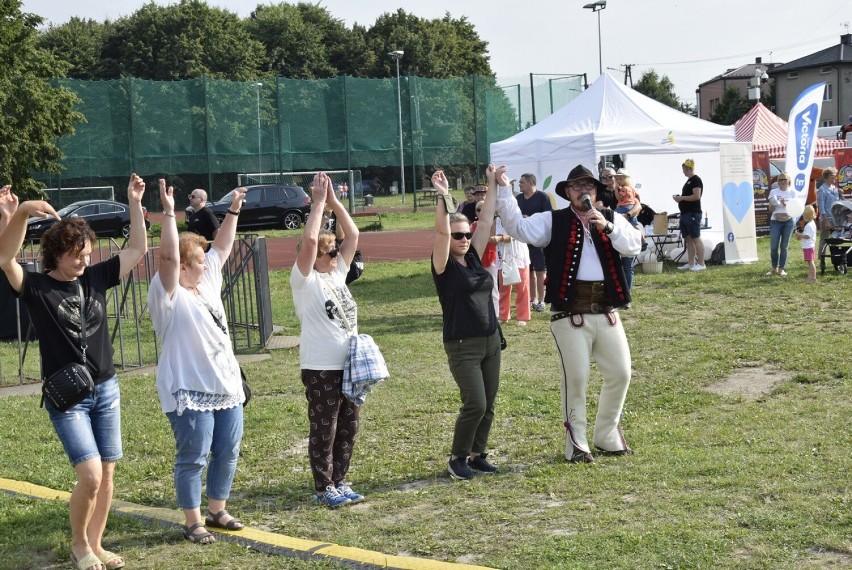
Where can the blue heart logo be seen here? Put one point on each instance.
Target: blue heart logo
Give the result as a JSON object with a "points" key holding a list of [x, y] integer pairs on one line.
{"points": [[738, 198]]}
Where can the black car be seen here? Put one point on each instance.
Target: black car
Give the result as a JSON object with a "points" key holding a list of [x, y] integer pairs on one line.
{"points": [[276, 205], [106, 218]]}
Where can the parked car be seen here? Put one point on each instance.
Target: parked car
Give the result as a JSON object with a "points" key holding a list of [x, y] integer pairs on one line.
{"points": [[106, 218], [276, 205]]}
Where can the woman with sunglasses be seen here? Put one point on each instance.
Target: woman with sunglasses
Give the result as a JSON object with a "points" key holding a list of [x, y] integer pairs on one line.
{"points": [[471, 338], [328, 316], [780, 224]]}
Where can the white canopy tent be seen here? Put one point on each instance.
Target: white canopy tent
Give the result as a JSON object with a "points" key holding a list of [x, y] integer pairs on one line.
{"points": [[610, 118]]}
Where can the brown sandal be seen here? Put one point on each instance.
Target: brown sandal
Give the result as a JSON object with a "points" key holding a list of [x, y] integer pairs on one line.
{"points": [[201, 537], [214, 521]]}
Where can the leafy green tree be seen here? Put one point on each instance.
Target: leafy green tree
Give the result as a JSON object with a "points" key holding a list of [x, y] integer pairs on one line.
{"points": [[731, 108], [442, 48], [181, 41], [79, 43], [33, 112], [658, 88], [299, 39]]}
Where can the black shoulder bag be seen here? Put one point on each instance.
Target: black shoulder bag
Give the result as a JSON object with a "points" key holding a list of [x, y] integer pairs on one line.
{"points": [[73, 383]]}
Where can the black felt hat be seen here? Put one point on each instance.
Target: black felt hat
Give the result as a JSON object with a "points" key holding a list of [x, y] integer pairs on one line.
{"points": [[579, 172]]}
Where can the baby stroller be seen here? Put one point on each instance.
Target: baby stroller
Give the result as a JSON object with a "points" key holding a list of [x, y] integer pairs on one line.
{"points": [[838, 247]]}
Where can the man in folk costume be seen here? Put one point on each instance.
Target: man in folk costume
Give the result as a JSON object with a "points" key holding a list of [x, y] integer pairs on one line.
{"points": [[585, 288]]}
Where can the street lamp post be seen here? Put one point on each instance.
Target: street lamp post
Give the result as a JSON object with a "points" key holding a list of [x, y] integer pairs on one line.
{"points": [[259, 166], [597, 7], [397, 55]]}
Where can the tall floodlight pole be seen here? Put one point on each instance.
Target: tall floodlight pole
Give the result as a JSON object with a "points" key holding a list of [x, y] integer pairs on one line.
{"points": [[597, 7], [259, 166], [397, 55]]}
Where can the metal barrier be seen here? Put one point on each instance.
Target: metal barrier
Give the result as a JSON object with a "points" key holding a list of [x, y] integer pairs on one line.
{"points": [[245, 295]]}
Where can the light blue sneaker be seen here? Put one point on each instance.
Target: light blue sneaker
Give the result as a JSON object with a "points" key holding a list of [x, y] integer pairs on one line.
{"points": [[332, 498], [347, 492]]}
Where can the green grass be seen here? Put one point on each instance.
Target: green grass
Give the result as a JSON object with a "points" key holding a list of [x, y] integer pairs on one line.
{"points": [[715, 482]]}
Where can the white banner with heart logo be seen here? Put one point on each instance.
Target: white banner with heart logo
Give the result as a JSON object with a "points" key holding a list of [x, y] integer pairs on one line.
{"points": [[740, 234]]}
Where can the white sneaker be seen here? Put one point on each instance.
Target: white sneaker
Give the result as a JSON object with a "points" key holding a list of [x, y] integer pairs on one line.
{"points": [[685, 266], [698, 268]]}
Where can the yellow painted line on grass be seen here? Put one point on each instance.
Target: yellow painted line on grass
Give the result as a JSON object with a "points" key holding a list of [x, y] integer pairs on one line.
{"points": [[261, 540]]}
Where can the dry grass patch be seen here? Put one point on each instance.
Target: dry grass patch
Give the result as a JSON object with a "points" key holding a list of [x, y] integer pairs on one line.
{"points": [[750, 383]]}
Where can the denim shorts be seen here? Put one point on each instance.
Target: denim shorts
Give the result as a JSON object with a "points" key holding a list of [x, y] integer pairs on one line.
{"points": [[690, 224], [92, 428]]}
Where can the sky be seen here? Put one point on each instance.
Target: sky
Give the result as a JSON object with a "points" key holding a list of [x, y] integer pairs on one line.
{"points": [[690, 41]]}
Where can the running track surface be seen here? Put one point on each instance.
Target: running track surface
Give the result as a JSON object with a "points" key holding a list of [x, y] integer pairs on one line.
{"points": [[374, 246]]}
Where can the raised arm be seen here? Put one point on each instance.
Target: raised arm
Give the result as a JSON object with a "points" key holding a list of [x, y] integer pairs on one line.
{"points": [[12, 236], [486, 215], [441, 249], [344, 224], [169, 254], [137, 245], [223, 243], [310, 242]]}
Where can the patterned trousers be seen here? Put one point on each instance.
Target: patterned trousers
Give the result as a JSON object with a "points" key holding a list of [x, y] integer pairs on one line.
{"points": [[334, 423]]}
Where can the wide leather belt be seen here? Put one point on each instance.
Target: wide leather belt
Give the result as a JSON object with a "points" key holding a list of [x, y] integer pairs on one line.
{"points": [[589, 297]]}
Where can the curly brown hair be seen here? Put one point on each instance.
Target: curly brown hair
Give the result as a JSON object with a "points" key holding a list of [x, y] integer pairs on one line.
{"points": [[66, 236]]}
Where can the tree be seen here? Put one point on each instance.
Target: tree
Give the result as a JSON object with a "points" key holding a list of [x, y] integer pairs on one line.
{"points": [[731, 108], [657, 88], [79, 43], [181, 41], [433, 48], [33, 112], [299, 39]]}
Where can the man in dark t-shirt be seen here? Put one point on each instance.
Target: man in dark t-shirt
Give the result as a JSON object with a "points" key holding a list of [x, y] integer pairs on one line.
{"points": [[531, 201], [689, 204], [202, 221]]}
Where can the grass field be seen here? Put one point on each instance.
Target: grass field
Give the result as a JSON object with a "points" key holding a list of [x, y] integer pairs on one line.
{"points": [[718, 480]]}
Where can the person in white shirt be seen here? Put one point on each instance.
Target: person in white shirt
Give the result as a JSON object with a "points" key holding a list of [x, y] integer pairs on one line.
{"points": [[780, 224], [586, 286], [198, 376], [328, 316], [807, 236]]}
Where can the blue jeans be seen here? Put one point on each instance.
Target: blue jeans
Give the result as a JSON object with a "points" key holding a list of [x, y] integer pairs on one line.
{"points": [[779, 234], [92, 428], [197, 434]]}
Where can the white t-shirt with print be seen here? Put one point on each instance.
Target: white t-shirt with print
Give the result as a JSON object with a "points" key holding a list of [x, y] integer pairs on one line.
{"points": [[197, 361], [324, 342]]}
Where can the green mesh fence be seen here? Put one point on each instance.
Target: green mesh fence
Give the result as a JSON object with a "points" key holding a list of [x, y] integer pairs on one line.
{"points": [[203, 132]]}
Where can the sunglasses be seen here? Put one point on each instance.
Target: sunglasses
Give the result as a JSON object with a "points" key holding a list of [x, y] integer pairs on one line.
{"points": [[460, 235], [606, 177], [332, 253]]}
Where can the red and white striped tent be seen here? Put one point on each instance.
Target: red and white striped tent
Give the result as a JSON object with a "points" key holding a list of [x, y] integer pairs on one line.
{"points": [[768, 131]]}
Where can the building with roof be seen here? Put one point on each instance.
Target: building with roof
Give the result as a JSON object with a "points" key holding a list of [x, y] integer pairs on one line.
{"points": [[833, 66], [710, 93]]}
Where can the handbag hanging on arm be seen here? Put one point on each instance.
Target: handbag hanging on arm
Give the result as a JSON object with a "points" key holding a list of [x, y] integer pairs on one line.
{"points": [[511, 273], [364, 364], [72, 383]]}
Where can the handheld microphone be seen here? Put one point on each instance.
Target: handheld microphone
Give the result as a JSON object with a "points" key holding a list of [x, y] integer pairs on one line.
{"points": [[587, 202]]}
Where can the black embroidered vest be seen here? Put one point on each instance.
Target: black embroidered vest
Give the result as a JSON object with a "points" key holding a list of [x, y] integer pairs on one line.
{"points": [[563, 259]]}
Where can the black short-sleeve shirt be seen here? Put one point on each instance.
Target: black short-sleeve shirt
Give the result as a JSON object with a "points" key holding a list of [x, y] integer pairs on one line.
{"points": [[54, 308]]}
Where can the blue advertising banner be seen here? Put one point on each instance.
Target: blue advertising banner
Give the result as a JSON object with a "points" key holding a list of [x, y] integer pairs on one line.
{"points": [[801, 137]]}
